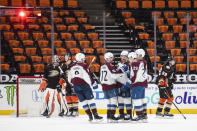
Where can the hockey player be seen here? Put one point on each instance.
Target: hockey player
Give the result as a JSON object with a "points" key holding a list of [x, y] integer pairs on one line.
{"points": [[124, 95], [71, 98], [79, 77], [165, 82], [50, 81], [108, 78], [138, 74]]}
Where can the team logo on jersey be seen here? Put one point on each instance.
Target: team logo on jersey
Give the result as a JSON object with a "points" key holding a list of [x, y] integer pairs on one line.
{"points": [[53, 73]]}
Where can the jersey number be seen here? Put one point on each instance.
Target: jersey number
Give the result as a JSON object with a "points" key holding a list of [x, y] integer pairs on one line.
{"points": [[103, 76]]}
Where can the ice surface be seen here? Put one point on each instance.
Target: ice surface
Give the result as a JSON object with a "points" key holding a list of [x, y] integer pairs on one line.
{"points": [[10, 123]]}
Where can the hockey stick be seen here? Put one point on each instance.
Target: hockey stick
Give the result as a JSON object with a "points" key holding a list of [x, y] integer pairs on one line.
{"points": [[93, 72], [174, 104]]}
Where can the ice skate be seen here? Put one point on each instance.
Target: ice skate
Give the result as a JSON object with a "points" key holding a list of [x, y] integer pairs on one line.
{"points": [[159, 114], [97, 118], [90, 117], [61, 113], [139, 118], [121, 117], [168, 115], [45, 113], [127, 117]]}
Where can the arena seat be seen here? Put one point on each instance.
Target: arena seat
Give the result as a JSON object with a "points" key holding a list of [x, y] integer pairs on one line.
{"points": [[16, 3], [14, 43], [163, 28], [126, 14], [58, 43], [58, 3], [144, 36], [47, 27], [74, 51], [33, 27], [60, 51], [19, 58], [129, 21], [2, 59], [150, 44], [46, 51], [8, 35], [58, 20], [28, 42], [73, 28], [5, 27], [61, 27], [172, 21], [160, 4], [167, 36], [151, 51], [5, 67], [49, 35], [47, 59], [38, 68], [175, 52], [182, 36], [36, 59], [88, 50], [43, 20], [89, 59], [160, 21], [72, 4], [181, 14], [121, 4], [185, 4], [169, 44], [100, 50], [193, 67], [44, 3], [84, 43], [79, 13], [70, 20], [82, 20], [181, 68], [152, 58], [65, 35], [3, 2], [70, 43], [177, 28], [101, 59], [64, 13], [147, 4], [31, 51], [134, 4], [93, 36], [18, 27], [24, 68], [79, 35], [178, 59], [173, 4], [18, 51], [38, 35], [169, 14], [43, 43], [97, 43], [183, 44]]}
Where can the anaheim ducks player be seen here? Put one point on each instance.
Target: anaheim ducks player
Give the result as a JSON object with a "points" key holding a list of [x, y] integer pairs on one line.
{"points": [[50, 83], [79, 77], [165, 82]]}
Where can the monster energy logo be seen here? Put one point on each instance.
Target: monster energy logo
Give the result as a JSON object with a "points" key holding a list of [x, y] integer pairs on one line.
{"points": [[10, 94]]}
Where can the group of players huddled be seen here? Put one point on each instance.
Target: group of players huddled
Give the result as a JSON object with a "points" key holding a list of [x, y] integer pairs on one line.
{"points": [[123, 86]]}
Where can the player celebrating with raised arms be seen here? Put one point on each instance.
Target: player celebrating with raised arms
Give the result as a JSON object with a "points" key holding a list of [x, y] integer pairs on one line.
{"points": [[79, 77]]}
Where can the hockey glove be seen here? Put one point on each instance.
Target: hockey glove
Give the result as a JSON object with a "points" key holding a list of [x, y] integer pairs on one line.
{"points": [[124, 68], [59, 88], [95, 85]]}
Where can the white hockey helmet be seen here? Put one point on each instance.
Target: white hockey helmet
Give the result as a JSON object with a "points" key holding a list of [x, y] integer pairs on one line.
{"points": [[124, 53], [132, 55], [80, 57], [108, 55], [140, 52], [55, 59]]}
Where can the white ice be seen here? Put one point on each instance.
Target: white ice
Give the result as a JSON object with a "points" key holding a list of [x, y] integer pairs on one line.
{"points": [[10, 123]]}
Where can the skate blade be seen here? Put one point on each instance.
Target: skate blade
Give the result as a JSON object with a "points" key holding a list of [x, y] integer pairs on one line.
{"points": [[168, 117], [159, 116]]}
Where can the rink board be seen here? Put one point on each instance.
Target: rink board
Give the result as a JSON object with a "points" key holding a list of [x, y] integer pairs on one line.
{"points": [[185, 97]]}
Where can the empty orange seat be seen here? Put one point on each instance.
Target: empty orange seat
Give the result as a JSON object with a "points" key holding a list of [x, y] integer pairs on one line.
{"points": [[66, 35], [172, 21], [46, 51], [24, 68], [74, 50], [88, 50], [121, 4], [58, 43], [147, 4], [14, 43], [70, 20], [134, 4], [185, 4], [58, 3], [192, 51], [49, 35], [93, 36], [143, 35], [31, 3], [28, 42], [97, 43], [33, 27], [16, 3], [43, 43], [19, 58], [194, 20], [195, 4], [192, 28], [61, 27], [3, 19], [151, 51], [193, 14], [195, 44], [152, 58], [180, 67], [193, 67], [82, 20], [89, 27], [163, 28], [70, 43], [181, 14], [79, 36], [183, 44], [23, 35], [129, 21], [44, 3], [159, 66], [183, 21], [101, 59], [3, 2], [43, 20], [30, 20], [2, 59], [64, 13], [178, 59], [36, 59], [182, 36], [158, 14], [73, 28], [61, 51], [169, 45], [19, 51], [168, 14], [5, 27], [160, 21], [47, 27], [38, 68], [31, 51], [14, 19], [194, 59], [79, 13], [47, 59], [38, 35], [167, 36], [160, 4], [84, 43], [101, 50], [8, 35], [173, 4], [177, 28], [72, 4], [175, 52], [5, 67], [150, 44], [57, 20], [126, 14], [18, 27], [90, 58], [96, 67]]}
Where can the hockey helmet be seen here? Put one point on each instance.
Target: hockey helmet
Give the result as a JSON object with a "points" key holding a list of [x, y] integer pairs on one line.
{"points": [[140, 52], [55, 59], [171, 60], [108, 55], [80, 57], [67, 57], [132, 55], [124, 53]]}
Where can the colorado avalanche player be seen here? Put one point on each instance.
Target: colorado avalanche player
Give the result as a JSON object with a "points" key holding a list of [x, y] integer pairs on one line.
{"points": [[79, 77]]}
